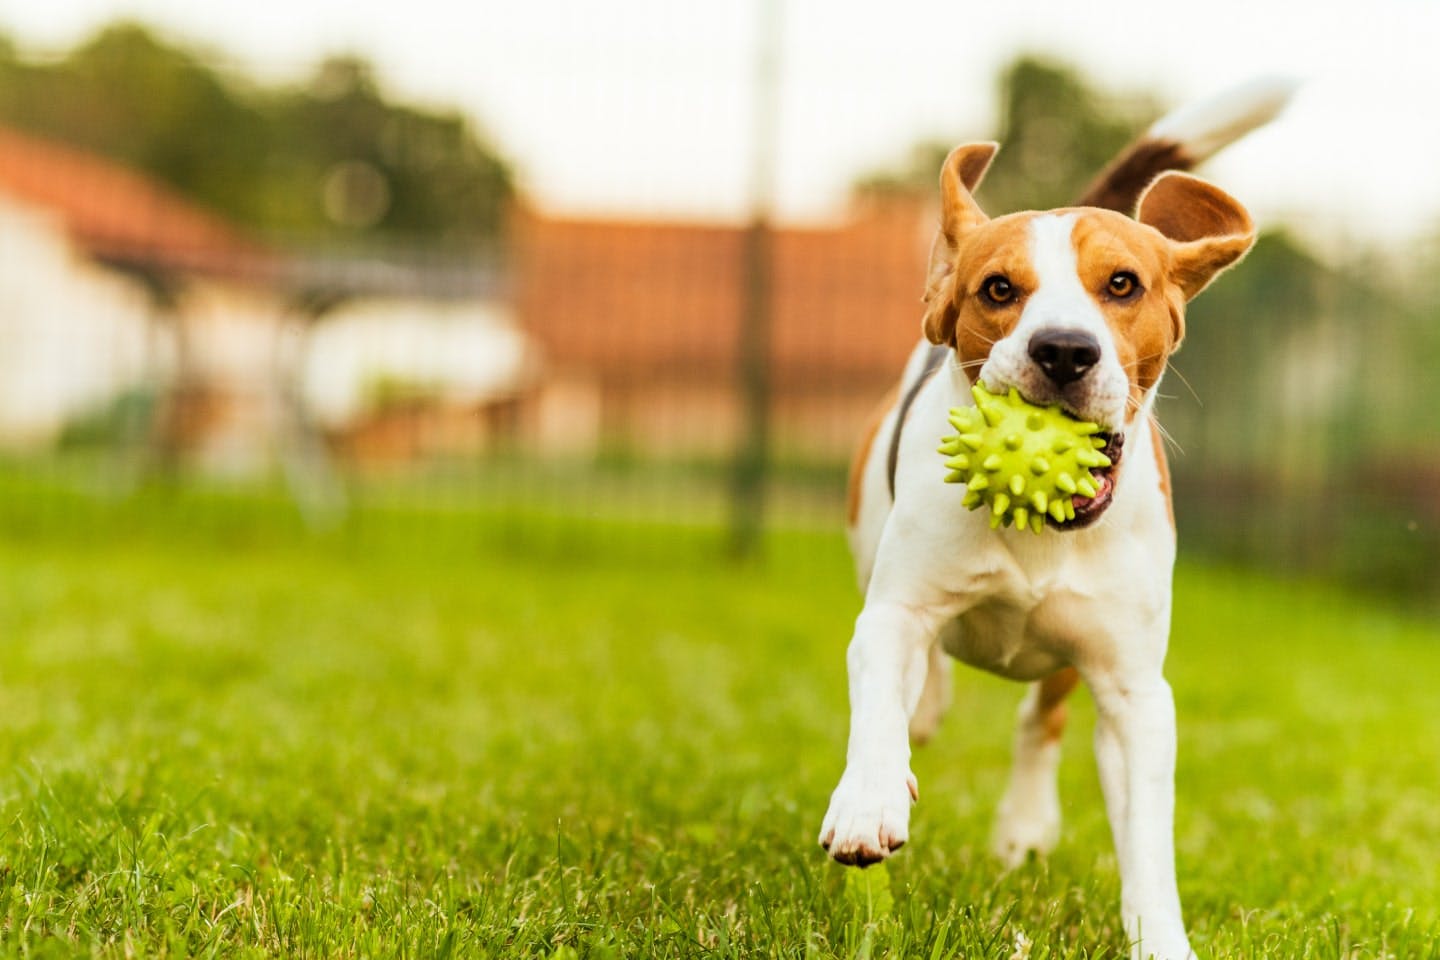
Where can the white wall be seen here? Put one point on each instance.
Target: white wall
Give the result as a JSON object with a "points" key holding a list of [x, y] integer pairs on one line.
{"points": [[72, 334], [462, 352]]}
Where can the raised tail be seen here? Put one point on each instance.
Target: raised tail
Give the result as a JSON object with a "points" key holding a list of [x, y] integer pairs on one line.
{"points": [[1184, 138]]}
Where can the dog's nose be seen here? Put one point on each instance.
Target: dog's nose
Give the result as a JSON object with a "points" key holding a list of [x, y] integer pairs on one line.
{"points": [[1064, 355]]}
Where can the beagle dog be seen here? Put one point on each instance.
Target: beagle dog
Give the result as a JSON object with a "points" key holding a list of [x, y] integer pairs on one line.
{"points": [[1080, 307]]}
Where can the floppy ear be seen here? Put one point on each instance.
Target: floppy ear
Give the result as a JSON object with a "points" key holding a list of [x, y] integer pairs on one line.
{"points": [[1207, 228], [959, 214]]}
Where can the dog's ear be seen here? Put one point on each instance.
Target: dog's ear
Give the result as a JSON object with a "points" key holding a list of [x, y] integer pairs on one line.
{"points": [[1207, 228], [959, 176]]}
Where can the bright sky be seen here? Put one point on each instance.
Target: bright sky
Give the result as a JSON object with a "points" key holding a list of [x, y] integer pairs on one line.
{"points": [[645, 105]]}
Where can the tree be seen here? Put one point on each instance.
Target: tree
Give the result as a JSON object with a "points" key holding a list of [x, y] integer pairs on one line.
{"points": [[373, 165], [332, 160]]}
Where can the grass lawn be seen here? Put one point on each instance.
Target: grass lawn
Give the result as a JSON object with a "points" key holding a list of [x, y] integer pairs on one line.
{"points": [[419, 740]]}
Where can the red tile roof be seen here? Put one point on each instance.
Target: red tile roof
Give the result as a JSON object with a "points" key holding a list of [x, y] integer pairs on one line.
{"points": [[119, 214]]}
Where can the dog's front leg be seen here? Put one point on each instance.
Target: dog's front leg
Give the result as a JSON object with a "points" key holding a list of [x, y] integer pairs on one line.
{"points": [[1136, 747], [869, 815]]}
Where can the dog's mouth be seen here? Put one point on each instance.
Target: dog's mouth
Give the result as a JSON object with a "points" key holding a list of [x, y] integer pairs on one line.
{"points": [[1089, 509]]}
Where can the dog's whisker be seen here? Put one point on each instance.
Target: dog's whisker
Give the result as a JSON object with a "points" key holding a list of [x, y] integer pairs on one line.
{"points": [[1187, 383], [1167, 437], [1136, 362]]}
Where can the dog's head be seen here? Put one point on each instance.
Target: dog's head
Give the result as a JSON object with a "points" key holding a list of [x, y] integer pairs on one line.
{"points": [[1080, 307]]}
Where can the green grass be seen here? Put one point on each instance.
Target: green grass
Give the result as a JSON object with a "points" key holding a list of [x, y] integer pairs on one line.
{"points": [[437, 735]]}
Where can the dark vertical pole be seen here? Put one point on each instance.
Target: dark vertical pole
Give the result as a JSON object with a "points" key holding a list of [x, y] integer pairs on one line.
{"points": [[756, 298]]}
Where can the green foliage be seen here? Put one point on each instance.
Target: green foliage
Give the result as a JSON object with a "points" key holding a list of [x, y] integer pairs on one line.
{"points": [[332, 159], [126, 95], [1236, 338], [386, 392], [1298, 403], [1056, 133], [118, 422], [221, 739]]}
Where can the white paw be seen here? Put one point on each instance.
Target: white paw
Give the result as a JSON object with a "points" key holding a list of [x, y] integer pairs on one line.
{"points": [[1175, 947], [1163, 938], [1023, 826], [869, 816]]}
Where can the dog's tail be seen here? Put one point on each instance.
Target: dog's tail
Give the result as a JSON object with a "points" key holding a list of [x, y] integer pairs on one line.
{"points": [[1182, 139]]}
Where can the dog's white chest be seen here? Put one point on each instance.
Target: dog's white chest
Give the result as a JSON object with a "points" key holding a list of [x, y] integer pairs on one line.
{"points": [[1020, 631]]}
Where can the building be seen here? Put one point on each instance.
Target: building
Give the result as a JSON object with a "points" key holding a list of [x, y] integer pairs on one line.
{"points": [[131, 315], [640, 323]]}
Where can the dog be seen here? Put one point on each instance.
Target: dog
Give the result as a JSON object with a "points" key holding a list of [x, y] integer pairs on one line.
{"points": [[1080, 307]]}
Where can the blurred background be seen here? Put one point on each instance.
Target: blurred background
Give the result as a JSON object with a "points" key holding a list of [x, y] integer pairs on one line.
{"points": [[641, 263]]}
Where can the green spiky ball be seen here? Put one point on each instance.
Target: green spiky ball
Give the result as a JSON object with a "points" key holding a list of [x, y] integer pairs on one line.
{"points": [[1023, 462]]}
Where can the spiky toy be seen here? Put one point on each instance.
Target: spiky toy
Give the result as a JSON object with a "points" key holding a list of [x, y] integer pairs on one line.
{"points": [[1021, 461]]}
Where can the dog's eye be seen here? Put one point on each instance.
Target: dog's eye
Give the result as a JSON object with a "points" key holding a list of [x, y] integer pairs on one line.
{"points": [[1123, 285], [997, 290]]}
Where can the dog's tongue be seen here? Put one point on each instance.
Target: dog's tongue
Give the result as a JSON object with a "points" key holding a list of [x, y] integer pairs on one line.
{"points": [[1102, 487]]}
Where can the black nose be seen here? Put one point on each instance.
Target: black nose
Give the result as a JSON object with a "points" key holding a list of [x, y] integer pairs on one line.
{"points": [[1064, 355]]}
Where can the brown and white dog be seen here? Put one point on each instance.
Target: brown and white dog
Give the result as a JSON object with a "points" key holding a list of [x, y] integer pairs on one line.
{"points": [[1082, 307]]}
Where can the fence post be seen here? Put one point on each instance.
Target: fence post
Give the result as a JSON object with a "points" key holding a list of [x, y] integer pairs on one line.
{"points": [[752, 455]]}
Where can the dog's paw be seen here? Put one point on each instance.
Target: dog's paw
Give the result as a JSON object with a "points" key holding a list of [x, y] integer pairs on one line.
{"points": [[1025, 825], [869, 816], [1174, 947]]}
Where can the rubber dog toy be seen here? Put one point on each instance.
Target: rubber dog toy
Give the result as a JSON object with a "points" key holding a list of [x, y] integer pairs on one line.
{"points": [[1023, 462]]}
